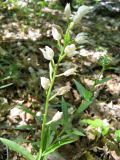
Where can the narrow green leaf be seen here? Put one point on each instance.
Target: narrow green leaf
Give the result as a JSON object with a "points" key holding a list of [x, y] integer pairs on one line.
{"points": [[57, 145], [17, 148], [20, 140], [5, 78], [87, 95], [103, 80], [65, 110], [83, 106], [77, 132], [67, 38], [6, 85], [25, 127]]}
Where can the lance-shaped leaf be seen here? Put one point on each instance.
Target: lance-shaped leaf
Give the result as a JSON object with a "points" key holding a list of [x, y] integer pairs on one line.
{"points": [[102, 80], [87, 95], [65, 111], [17, 148], [57, 145], [83, 106]]}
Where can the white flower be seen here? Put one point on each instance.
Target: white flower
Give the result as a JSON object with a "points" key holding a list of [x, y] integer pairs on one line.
{"points": [[45, 82], [81, 38], [63, 90], [56, 34], [70, 72], [82, 11], [48, 53], [67, 10], [58, 115], [70, 50]]}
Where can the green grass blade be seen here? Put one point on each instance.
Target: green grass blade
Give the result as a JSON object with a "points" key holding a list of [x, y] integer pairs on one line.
{"points": [[65, 110], [6, 85], [57, 145], [87, 95], [17, 148], [83, 106], [103, 80]]}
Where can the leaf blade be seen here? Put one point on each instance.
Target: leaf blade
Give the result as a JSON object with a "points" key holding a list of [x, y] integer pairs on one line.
{"points": [[58, 145], [83, 106], [87, 95], [17, 148], [103, 80], [65, 110]]}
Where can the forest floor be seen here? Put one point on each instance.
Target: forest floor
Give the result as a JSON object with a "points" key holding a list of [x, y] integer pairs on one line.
{"points": [[22, 33]]}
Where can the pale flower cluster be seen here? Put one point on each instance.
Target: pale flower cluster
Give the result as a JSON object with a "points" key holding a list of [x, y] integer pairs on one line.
{"points": [[69, 50]]}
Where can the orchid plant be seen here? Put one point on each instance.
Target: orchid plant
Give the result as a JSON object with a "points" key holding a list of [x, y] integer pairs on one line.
{"points": [[66, 49], [49, 141]]}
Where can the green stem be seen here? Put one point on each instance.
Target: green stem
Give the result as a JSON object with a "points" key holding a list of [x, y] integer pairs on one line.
{"points": [[101, 73], [46, 110], [61, 57]]}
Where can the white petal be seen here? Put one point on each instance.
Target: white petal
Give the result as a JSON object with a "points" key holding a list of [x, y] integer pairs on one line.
{"points": [[48, 53], [58, 115], [82, 11], [45, 82], [55, 33], [70, 50], [67, 10]]}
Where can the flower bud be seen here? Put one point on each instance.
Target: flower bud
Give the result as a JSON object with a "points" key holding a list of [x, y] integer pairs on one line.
{"points": [[70, 50], [58, 115], [48, 53], [67, 10], [45, 82], [63, 90], [81, 38], [82, 11], [56, 34], [70, 72]]}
